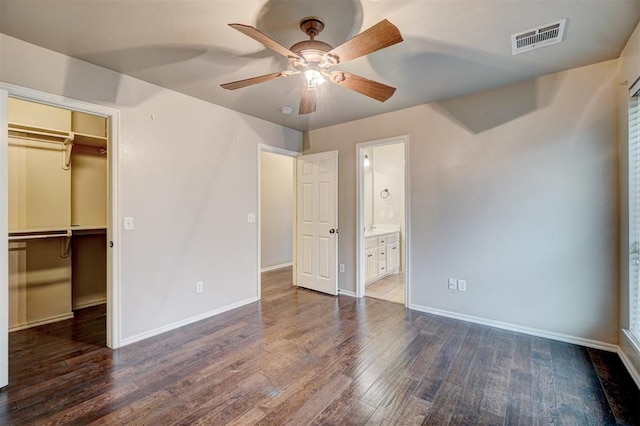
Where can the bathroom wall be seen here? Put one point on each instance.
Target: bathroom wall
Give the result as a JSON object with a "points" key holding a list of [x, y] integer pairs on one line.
{"points": [[388, 173], [368, 188]]}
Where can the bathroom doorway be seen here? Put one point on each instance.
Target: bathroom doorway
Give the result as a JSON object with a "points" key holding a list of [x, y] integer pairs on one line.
{"points": [[382, 219]]}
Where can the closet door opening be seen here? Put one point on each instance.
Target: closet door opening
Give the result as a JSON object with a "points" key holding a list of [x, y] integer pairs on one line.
{"points": [[58, 208]]}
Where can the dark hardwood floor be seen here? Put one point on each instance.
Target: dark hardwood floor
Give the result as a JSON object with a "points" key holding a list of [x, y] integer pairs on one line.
{"points": [[303, 358]]}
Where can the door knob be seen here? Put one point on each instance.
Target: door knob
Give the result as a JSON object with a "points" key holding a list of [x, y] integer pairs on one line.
{"points": [[333, 231]]}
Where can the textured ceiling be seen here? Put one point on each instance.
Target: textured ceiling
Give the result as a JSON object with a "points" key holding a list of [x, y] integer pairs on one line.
{"points": [[450, 47]]}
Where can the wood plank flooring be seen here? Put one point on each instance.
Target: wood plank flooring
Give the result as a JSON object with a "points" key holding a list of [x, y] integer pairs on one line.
{"points": [[301, 358]]}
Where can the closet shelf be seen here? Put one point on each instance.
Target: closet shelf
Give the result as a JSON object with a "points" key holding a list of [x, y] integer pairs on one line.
{"points": [[89, 140], [55, 232], [22, 131]]}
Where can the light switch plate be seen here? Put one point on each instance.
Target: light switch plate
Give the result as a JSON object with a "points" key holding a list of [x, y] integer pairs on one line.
{"points": [[453, 284], [342, 267], [128, 223]]}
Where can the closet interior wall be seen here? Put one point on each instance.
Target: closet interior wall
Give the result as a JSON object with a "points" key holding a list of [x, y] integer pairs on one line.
{"points": [[57, 212]]}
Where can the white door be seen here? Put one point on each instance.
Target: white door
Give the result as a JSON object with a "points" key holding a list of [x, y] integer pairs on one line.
{"points": [[317, 222], [4, 247]]}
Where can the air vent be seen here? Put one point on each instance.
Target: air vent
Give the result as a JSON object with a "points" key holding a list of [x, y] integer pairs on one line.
{"points": [[537, 37]]}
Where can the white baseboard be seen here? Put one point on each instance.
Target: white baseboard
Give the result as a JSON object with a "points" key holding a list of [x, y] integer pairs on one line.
{"points": [[90, 304], [42, 322], [347, 293], [274, 267], [595, 344], [182, 323], [627, 362]]}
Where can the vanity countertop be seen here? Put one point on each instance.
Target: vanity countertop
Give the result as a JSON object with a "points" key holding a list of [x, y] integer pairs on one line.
{"points": [[378, 232]]}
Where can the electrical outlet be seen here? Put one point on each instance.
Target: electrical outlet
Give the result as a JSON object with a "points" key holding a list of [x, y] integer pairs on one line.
{"points": [[342, 267], [199, 287], [453, 284], [462, 285], [251, 218]]}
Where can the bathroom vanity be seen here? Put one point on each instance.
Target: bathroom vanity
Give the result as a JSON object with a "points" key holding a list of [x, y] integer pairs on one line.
{"points": [[382, 254]]}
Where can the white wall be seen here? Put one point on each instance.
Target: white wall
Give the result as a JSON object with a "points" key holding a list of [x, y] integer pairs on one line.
{"points": [[513, 190], [367, 188], [629, 71], [388, 173], [276, 209], [188, 176]]}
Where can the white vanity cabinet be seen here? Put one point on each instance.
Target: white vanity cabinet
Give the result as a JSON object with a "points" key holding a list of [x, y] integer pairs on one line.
{"points": [[393, 253], [371, 264], [382, 255]]}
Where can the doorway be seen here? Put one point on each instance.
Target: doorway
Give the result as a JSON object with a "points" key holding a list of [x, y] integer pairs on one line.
{"points": [[315, 219], [276, 213], [94, 236], [382, 220]]}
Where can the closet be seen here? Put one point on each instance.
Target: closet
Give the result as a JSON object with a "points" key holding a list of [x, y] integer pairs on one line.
{"points": [[57, 212]]}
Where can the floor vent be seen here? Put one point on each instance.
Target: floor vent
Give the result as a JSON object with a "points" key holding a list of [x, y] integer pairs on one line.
{"points": [[537, 37]]}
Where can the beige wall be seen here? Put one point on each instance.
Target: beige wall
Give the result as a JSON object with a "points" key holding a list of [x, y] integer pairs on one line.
{"points": [[276, 207], [513, 190], [187, 175], [629, 71]]}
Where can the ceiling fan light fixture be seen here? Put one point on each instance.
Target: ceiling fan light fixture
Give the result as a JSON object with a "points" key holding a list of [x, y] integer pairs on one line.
{"points": [[314, 78], [314, 58]]}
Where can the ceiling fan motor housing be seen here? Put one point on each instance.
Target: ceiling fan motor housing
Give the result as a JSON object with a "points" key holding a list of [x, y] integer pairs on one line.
{"points": [[312, 50]]}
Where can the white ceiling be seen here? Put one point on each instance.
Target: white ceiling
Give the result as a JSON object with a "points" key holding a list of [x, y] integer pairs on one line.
{"points": [[450, 47]]}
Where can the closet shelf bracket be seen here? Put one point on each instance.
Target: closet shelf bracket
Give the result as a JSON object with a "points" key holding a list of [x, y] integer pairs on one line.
{"points": [[67, 148], [65, 245]]}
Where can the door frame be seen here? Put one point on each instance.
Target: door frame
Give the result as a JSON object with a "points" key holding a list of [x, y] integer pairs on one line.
{"points": [[288, 153], [113, 335], [406, 244]]}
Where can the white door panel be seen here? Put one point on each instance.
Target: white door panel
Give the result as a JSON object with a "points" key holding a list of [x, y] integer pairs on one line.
{"points": [[317, 221]]}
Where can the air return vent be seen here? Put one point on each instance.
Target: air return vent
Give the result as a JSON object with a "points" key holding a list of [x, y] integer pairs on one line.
{"points": [[537, 37]]}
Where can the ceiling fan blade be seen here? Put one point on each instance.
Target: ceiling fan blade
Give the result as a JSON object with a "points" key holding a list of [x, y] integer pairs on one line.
{"points": [[255, 80], [308, 100], [266, 40], [381, 35], [370, 88]]}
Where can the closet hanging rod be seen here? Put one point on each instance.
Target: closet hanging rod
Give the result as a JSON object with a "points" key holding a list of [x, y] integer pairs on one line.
{"points": [[62, 137], [67, 233], [65, 140]]}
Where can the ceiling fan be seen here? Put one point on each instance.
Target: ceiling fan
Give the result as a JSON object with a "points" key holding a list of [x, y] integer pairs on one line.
{"points": [[315, 58]]}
